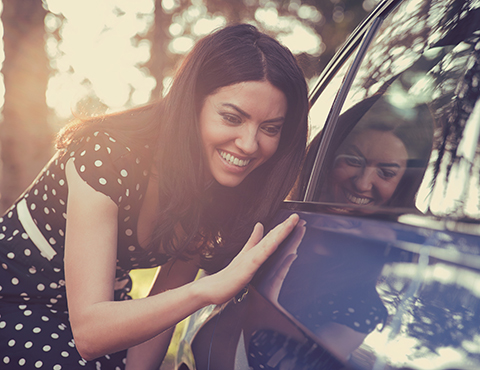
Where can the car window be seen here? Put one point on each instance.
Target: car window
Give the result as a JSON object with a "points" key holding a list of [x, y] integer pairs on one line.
{"points": [[407, 135]]}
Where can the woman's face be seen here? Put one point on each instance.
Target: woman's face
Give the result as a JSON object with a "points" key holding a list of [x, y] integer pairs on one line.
{"points": [[368, 168], [241, 126]]}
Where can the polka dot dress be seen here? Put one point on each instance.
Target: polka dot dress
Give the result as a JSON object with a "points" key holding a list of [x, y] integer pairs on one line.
{"points": [[35, 332]]}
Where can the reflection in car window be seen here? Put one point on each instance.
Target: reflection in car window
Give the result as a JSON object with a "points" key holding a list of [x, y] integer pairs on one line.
{"points": [[419, 79]]}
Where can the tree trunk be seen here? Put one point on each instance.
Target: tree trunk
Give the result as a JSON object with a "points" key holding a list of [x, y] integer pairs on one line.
{"points": [[25, 135]]}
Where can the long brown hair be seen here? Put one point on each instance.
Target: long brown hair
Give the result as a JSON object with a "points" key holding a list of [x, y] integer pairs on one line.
{"points": [[217, 220]]}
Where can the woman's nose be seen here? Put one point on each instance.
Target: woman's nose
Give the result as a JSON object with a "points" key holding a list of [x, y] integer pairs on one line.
{"points": [[364, 180], [247, 140]]}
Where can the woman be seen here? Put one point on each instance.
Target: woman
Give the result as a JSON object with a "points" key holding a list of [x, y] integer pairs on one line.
{"points": [[377, 159], [179, 183]]}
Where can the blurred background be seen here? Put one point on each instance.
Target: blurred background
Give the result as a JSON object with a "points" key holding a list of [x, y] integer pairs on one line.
{"points": [[65, 57]]}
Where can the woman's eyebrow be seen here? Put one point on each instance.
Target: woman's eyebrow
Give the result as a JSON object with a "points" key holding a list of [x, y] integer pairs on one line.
{"points": [[389, 165], [238, 109], [245, 114], [358, 152]]}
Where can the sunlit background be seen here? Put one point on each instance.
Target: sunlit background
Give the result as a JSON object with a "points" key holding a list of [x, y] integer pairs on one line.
{"points": [[98, 52]]}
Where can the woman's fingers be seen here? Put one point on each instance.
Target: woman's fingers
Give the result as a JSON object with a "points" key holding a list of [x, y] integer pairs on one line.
{"points": [[255, 237]]}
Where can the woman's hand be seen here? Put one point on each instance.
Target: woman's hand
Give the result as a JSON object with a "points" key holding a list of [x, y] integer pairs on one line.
{"points": [[225, 284]]}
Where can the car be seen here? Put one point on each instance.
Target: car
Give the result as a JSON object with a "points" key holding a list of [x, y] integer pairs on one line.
{"points": [[383, 269]]}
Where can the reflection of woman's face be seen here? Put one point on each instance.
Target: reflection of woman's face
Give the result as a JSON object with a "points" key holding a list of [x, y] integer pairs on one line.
{"points": [[368, 168]]}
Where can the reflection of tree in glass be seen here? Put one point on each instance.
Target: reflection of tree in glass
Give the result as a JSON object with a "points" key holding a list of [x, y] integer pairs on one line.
{"points": [[447, 316], [440, 315]]}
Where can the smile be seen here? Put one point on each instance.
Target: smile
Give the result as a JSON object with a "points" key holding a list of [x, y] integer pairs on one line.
{"points": [[234, 160], [361, 201]]}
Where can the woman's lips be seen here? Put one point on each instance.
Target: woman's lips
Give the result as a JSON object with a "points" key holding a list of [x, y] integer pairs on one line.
{"points": [[358, 200], [233, 160]]}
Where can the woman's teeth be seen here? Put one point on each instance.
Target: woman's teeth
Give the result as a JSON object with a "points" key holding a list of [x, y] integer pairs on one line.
{"points": [[234, 160], [356, 200]]}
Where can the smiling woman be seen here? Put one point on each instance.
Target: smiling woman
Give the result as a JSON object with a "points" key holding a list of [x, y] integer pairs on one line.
{"points": [[238, 134], [180, 183]]}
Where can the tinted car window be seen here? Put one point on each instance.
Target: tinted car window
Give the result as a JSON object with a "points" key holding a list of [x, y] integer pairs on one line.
{"points": [[415, 98]]}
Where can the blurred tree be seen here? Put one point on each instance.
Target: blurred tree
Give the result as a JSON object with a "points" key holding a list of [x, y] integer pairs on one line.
{"points": [[25, 136]]}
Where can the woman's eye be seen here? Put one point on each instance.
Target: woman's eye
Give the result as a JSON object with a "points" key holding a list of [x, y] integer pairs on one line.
{"points": [[272, 130], [353, 161], [231, 118], [386, 173]]}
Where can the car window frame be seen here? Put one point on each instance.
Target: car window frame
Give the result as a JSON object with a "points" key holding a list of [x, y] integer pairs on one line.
{"points": [[361, 37]]}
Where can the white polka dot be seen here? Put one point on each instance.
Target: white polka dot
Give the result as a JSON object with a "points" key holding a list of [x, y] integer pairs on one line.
{"points": [[11, 342], [10, 214], [11, 255], [128, 232], [45, 197], [2, 324], [35, 192], [6, 360], [27, 252], [112, 139], [19, 326], [33, 206], [83, 153], [356, 324], [57, 367], [38, 364], [15, 281], [82, 168], [109, 150], [102, 181], [15, 232], [61, 182], [367, 321], [54, 192], [127, 192], [52, 241], [126, 208], [55, 336], [27, 312], [46, 348], [65, 354], [131, 248], [46, 210], [24, 236], [2, 236], [36, 330], [124, 173], [98, 163], [40, 287], [53, 285], [97, 147], [32, 270], [28, 344], [22, 362], [351, 310], [45, 318], [60, 231], [119, 181], [22, 306]]}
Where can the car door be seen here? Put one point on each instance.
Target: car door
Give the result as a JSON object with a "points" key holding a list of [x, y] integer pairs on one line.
{"points": [[383, 279]]}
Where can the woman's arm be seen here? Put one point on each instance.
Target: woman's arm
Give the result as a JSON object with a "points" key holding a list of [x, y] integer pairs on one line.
{"points": [[101, 325]]}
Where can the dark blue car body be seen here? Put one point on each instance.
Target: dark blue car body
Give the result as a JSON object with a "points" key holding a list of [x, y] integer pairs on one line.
{"points": [[356, 286]]}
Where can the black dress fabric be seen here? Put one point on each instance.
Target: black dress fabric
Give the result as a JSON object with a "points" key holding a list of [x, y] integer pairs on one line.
{"points": [[35, 332]]}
